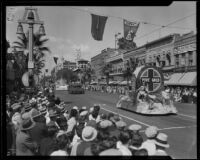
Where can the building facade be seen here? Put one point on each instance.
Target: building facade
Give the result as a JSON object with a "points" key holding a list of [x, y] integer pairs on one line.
{"points": [[97, 63], [160, 53], [116, 60], [69, 65], [185, 53], [139, 53]]}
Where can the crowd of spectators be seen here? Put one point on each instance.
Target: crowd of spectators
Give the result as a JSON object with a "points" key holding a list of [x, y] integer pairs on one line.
{"points": [[184, 94], [42, 124], [181, 94]]}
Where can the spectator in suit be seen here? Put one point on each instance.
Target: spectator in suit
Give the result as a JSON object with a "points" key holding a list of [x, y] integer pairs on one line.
{"points": [[39, 131], [25, 146], [48, 144]]}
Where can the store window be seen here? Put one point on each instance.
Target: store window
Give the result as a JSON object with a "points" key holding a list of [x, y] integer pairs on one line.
{"points": [[177, 60], [190, 58]]}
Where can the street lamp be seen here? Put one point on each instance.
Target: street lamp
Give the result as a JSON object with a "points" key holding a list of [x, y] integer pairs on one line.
{"points": [[116, 35], [30, 20]]}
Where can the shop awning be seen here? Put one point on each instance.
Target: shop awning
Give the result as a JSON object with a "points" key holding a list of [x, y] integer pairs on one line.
{"points": [[189, 79], [174, 80], [124, 83]]}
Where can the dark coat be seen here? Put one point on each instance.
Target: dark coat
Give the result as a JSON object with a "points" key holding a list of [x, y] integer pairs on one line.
{"points": [[47, 146], [38, 132], [82, 147]]}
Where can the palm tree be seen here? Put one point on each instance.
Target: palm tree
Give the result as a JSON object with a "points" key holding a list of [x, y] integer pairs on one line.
{"points": [[38, 49]]}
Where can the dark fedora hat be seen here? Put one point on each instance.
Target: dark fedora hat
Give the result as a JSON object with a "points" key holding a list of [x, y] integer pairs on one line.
{"points": [[27, 124]]}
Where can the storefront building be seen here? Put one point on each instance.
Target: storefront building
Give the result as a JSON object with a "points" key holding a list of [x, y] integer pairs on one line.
{"points": [[115, 59], [97, 63], [138, 53], [160, 53], [185, 61]]}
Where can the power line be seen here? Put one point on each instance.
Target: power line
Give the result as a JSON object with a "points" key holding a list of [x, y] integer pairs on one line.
{"points": [[143, 22], [164, 26]]}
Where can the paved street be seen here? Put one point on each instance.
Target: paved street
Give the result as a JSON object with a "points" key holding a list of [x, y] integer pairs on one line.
{"points": [[180, 128]]}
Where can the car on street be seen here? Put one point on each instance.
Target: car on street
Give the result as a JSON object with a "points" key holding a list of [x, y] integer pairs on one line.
{"points": [[76, 89], [62, 87]]}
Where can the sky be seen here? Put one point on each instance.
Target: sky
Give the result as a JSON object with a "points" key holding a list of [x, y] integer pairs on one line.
{"points": [[68, 28]]}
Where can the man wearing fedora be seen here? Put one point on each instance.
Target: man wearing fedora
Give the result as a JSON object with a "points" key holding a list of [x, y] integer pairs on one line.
{"points": [[161, 144], [25, 146], [39, 131]]}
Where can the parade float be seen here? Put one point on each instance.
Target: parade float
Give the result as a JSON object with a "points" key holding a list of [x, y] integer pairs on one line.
{"points": [[148, 95]]}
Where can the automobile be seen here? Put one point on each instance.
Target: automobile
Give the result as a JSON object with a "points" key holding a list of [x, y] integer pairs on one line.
{"points": [[62, 87], [76, 89]]}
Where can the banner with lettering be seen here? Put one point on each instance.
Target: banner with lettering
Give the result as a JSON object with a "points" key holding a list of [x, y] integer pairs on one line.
{"points": [[130, 29]]}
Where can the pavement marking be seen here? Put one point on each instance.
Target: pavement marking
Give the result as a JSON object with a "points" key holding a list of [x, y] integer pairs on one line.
{"points": [[126, 117], [181, 127], [185, 115]]}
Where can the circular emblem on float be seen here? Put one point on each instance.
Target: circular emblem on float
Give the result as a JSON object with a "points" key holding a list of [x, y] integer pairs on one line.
{"points": [[151, 77]]}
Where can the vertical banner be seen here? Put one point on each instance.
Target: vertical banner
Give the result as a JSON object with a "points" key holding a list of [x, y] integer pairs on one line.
{"points": [[98, 25], [130, 29]]}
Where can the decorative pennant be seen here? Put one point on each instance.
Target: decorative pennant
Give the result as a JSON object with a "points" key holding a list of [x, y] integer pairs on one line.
{"points": [[130, 29], [55, 59], [98, 25]]}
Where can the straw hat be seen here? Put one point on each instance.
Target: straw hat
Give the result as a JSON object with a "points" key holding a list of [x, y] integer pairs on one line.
{"points": [[134, 127], [91, 109], [75, 107], [115, 118], [27, 107], [52, 113], [151, 131], [120, 124], [161, 140], [89, 133], [84, 113], [27, 124], [105, 124], [84, 108], [26, 115], [111, 152], [15, 106], [35, 113]]}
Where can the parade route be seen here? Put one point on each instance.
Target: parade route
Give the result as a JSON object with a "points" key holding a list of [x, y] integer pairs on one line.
{"points": [[181, 128]]}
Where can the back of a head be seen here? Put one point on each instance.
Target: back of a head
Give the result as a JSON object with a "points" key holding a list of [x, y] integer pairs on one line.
{"points": [[124, 137], [52, 130], [63, 141], [141, 152]]}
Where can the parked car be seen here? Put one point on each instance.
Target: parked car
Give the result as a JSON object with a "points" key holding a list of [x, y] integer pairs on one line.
{"points": [[76, 89], [64, 87]]}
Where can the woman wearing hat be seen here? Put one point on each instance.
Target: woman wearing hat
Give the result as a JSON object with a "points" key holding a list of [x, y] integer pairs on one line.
{"points": [[25, 146]]}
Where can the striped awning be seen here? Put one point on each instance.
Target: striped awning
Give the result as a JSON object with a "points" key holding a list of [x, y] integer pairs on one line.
{"points": [[174, 80], [186, 79], [189, 79]]}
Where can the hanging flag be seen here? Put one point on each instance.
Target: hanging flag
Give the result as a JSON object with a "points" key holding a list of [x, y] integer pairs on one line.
{"points": [[130, 29], [98, 25], [55, 59]]}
